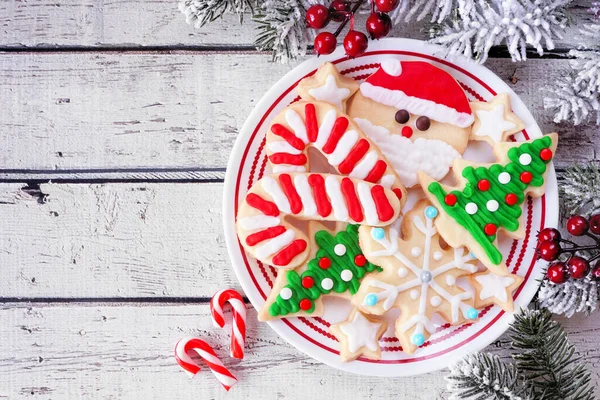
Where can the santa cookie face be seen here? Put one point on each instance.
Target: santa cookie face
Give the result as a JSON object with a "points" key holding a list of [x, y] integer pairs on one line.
{"points": [[417, 114]]}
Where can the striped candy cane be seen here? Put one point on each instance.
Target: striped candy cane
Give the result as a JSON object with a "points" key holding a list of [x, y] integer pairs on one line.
{"points": [[238, 334], [188, 344]]}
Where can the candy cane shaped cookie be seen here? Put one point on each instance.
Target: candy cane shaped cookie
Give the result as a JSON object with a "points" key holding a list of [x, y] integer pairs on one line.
{"points": [[203, 349], [265, 234], [322, 126], [238, 335]]}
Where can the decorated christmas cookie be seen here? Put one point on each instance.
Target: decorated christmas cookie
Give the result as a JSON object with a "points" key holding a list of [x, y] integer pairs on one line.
{"points": [[359, 336], [494, 121], [268, 237], [417, 114], [419, 276], [495, 289], [324, 127], [328, 85], [336, 268], [489, 197]]}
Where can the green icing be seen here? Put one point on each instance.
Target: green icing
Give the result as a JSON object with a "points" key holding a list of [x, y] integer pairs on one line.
{"points": [[507, 216], [326, 243]]}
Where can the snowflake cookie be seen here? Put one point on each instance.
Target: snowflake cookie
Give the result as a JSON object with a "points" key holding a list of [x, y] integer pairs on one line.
{"points": [[419, 276]]}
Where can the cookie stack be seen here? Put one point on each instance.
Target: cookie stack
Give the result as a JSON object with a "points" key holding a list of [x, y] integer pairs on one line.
{"points": [[360, 203]]}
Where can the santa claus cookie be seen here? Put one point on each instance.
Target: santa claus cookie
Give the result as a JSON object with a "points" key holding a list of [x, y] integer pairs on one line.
{"points": [[325, 128], [489, 197], [266, 234], [335, 268], [419, 276], [417, 114]]}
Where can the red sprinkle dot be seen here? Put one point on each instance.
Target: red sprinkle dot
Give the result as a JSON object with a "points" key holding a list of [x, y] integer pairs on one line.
{"points": [[305, 304], [324, 263], [483, 185], [360, 260], [490, 229], [526, 177], [511, 199], [398, 193], [407, 131], [450, 199], [546, 154], [308, 282]]}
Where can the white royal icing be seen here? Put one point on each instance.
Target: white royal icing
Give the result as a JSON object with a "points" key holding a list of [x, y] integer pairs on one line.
{"points": [[295, 122], [494, 286], [435, 301], [493, 123], [325, 128], [414, 294], [450, 280], [433, 157], [271, 186], [282, 146], [272, 246], [362, 169], [415, 251], [370, 211], [334, 192], [361, 332], [304, 190], [402, 272], [343, 148], [258, 222], [330, 92], [437, 256], [278, 168]]}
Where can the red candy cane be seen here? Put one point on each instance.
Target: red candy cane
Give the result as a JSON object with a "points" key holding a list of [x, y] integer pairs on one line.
{"points": [[238, 334], [186, 345]]}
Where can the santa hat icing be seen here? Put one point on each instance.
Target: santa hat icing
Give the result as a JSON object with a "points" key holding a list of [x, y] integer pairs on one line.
{"points": [[421, 89]]}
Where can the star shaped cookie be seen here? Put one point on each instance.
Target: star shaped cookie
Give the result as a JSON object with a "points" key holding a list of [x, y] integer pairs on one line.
{"points": [[328, 85], [494, 120], [359, 336], [495, 289]]}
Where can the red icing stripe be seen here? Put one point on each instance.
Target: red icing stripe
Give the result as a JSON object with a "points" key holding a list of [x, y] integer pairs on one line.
{"points": [[288, 136], [265, 234], [312, 126], [290, 192], [287, 158], [264, 206], [352, 202], [285, 256], [377, 172], [385, 211], [338, 130], [355, 155], [320, 195]]}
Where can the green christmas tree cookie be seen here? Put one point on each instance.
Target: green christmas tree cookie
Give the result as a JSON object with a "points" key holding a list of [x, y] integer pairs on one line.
{"points": [[336, 269], [490, 197]]}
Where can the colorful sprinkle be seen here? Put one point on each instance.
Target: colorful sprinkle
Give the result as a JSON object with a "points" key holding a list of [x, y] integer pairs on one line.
{"points": [[511, 199], [360, 260], [490, 229], [450, 199], [308, 282], [339, 249], [504, 178], [526, 177], [417, 339], [324, 263], [371, 300], [346, 275], [492, 205], [426, 276], [377, 233], [327, 284], [431, 212], [472, 313], [483, 185], [546, 154], [471, 208], [525, 159], [286, 293], [305, 304]]}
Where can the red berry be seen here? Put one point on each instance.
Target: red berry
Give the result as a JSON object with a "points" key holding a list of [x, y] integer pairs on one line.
{"points": [[386, 5], [557, 273], [546, 154], [339, 10], [595, 224], [305, 304], [578, 267], [595, 275], [379, 25], [483, 185], [548, 250], [450, 199], [325, 43], [355, 43], [511, 199], [360, 260], [549, 234], [317, 16], [308, 282], [526, 177], [577, 225]]}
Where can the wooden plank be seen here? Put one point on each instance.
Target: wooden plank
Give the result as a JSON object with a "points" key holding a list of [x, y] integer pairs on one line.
{"points": [[88, 111], [125, 351], [136, 23]]}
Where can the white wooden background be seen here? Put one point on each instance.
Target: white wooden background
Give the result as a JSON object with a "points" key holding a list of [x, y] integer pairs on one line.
{"points": [[116, 122]]}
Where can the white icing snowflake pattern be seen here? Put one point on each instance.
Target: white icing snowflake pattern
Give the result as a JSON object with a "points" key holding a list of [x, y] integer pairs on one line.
{"points": [[433, 295]]}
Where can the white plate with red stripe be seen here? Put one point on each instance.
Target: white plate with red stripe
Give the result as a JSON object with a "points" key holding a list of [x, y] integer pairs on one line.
{"points": [[248, 163]]}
